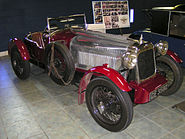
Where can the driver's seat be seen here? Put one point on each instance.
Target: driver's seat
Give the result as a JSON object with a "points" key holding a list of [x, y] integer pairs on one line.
{"points": [[38, 37]]}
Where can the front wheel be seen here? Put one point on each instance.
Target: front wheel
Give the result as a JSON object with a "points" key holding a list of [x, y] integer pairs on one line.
{"points": [[21, 67], [173, 73], [110, 107]]}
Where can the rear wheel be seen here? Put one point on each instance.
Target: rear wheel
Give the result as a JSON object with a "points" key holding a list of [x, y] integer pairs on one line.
{"points": [[173, 73], [63, 69], [21, 67], [110, 107]]}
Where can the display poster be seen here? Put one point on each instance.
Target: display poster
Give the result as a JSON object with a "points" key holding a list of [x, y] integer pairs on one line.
{"points": [[114, 14]]}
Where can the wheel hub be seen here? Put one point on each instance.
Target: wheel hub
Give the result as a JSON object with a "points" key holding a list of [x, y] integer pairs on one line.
{"points": [[101, 107], [15, 63], [57, 63], [106, 106]]}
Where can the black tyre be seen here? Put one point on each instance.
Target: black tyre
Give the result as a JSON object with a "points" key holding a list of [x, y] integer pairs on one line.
{"points": [[173, 73], [21, 67], [64, 70], [110, 107]]}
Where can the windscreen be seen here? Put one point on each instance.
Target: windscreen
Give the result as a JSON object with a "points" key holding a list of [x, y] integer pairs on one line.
{"points": [[177, 24], [72, 21]]}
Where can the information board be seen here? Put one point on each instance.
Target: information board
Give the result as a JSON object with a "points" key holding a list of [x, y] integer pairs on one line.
{"points": [[114, 14]]}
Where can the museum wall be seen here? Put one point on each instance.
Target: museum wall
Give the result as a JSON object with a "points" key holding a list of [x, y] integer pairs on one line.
{"points": [[21, 16]]}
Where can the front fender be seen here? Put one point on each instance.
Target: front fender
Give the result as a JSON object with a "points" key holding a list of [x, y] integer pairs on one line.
{"points": [[112, 74], [21, 47], [174, 56]]}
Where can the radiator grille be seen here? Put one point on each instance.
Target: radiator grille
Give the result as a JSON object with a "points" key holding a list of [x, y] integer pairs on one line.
{"points": [[146, 64], [91, 59]]}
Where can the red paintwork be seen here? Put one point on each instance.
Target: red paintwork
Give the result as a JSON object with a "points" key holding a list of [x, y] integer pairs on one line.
{"points": [[83, 34], [64, 36], [113, 75], [81, 70], [21, 48], [38, 53], [82, 87], [174, 56], [143, 90]]}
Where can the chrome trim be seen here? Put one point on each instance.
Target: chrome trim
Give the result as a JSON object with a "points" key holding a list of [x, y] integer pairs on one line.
{"points": [[162, 47], [141, 39], [129, 57], [146, 47], [137, 74], [74, 15], [54, 32], [169, 16], [85, 20], [26, 38], [48, 26]]}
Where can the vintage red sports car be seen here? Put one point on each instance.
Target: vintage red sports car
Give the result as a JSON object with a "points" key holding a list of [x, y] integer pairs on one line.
{"points": [[118, 71]]}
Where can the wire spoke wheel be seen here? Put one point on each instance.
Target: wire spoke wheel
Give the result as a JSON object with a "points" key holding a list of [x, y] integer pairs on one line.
{"points": [[166, 69], [110, 107], [106, 105], [21, 67], [60, 64], [173, 73], [18, 64]]}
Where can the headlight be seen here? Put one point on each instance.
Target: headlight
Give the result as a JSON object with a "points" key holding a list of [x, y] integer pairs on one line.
{"points": [[162, 47], [130, 60]]}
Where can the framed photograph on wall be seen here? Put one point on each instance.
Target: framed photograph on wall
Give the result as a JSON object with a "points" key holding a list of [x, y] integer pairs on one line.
{"points": [[114, 14]]}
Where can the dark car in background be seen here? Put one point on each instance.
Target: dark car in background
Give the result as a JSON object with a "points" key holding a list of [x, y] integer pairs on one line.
{"points": [[167, 23]]}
